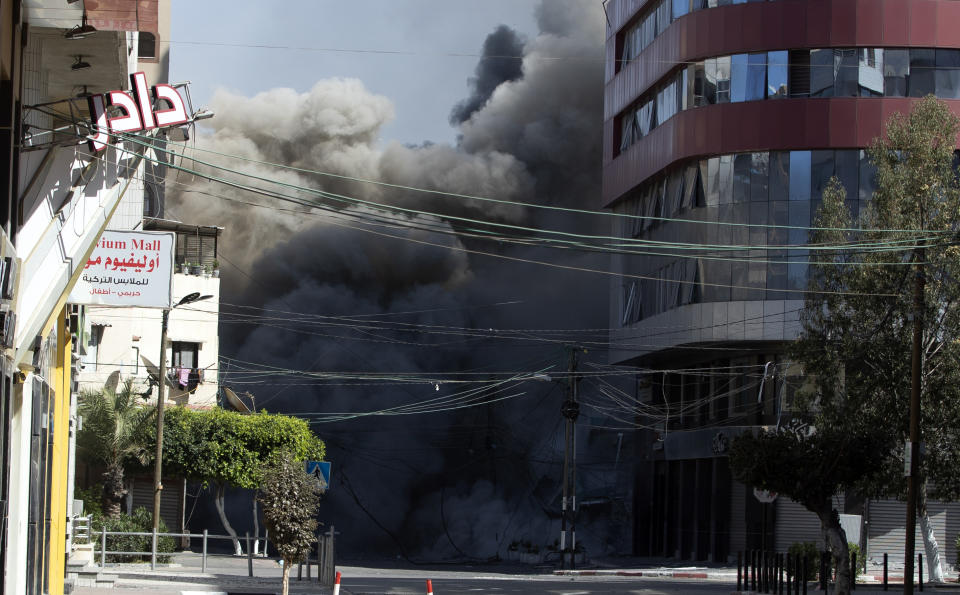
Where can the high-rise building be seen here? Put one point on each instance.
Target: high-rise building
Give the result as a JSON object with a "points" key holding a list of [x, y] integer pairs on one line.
{"points": [[723, 122]]}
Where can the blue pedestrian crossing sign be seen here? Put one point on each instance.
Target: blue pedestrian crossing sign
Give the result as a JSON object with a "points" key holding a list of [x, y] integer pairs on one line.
{"points": [[320, 470]]}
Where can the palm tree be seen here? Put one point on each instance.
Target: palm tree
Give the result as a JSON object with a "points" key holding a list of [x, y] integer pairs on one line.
{"points": [[116, 430]]}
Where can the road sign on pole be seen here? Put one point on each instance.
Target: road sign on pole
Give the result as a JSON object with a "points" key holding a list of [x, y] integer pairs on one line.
{"points": [[320, 470]]}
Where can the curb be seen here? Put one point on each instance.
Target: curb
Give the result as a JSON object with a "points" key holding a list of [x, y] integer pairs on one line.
{"points": [[651, 573]]}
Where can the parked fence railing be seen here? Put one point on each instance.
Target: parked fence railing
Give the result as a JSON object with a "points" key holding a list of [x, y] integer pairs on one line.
{"points": [[322, 555], [772, 572]]}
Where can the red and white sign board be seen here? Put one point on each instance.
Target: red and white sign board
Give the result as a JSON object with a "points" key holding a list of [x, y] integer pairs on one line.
{"points": [[136, 110], [128, 268]]}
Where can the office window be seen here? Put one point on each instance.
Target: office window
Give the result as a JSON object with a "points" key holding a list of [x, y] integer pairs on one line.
{"points": [[738, 78], [822, 69], [710, 81], [741, 177], [870, 72], [756, 76], [723, 79], [922, 72], [821, 170], [779, 175], [759, 176], [896, 72], [699, 85], [948, 74], [777, 67], [799, 175], [847, 69]]}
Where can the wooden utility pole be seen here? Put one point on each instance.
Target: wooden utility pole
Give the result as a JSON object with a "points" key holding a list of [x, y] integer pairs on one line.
{"points": [[570, 411], [913, 447]]}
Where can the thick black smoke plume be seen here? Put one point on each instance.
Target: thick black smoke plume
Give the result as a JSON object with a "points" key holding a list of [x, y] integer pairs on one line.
{"points": [[464, 483], [498, 65]]}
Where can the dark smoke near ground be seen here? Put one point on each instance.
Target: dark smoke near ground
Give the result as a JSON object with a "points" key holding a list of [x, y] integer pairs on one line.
{"points": [[454, 485], [496, 66]]}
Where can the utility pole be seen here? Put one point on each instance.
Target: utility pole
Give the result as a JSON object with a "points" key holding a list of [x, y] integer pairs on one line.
{"points": [[570, 411], [913, 446], [158, 464], [157, 473]]}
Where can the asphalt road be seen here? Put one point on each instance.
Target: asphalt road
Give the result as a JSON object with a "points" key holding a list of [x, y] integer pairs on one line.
{"points": [[532, 585]]}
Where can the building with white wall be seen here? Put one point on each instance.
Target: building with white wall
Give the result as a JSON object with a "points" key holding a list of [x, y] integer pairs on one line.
{"points": [[60, 191]]}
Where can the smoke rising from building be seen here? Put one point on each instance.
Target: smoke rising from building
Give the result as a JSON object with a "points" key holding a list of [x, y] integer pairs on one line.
{"points": [[455, 484], [497, 65]]}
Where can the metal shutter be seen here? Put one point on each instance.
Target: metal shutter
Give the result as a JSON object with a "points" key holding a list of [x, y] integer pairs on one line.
{"points": [[887, 535]]}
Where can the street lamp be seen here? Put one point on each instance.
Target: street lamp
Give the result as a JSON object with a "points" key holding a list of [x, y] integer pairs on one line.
{"points": [[157, 484]]}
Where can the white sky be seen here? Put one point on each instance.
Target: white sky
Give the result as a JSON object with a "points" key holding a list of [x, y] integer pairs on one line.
{"points": [[423, 85]]}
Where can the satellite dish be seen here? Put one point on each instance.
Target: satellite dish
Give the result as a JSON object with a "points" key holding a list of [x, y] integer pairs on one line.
{"points": [[113, 381], [234, 401], [173, 390]]}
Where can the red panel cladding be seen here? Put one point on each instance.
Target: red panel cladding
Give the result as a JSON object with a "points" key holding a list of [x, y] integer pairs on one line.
{"points": [[818, 23], [700, 27], [818, 123], [892, 106], [948, 18], [842, 130], [896, 22], [923, 22], [869, 113], [794, 24], [713, 121], [751, 32], [772, 19], [700, 134], [843, 30], [793, 120], [740, 127], [869, 22], [716, 31]]}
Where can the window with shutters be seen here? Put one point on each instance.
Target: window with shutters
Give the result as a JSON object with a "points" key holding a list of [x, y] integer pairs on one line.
{"points": [[195, 248]]}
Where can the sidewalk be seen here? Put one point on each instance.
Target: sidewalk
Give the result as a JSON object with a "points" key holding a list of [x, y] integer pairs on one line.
{"points": [[225, 574], [228, 574]]}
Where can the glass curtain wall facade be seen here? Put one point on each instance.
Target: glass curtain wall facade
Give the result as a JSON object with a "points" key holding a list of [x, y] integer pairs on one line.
{"points": [[732, 147], [829, 72]]}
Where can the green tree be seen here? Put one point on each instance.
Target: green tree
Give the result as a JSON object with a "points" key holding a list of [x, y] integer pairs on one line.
{"points": [[227, 449], [290, 500], [810, 465], [857, 327], [115, 434]]}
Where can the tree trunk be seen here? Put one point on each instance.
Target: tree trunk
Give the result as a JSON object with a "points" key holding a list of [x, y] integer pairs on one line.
{"points": [[113, 490], [256, 527], [218, 503], [836, 540], [285, 589], [930, 547]]}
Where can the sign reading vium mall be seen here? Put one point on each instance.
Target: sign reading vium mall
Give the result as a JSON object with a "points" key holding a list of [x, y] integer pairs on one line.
{"points": [[128, 268]]}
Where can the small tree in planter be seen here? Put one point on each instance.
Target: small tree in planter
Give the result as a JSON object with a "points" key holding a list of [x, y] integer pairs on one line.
{"points": [[290, 500]]}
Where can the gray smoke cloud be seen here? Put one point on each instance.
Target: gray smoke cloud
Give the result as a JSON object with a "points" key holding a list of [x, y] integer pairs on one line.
{"points": [[462, 483], [499, 63]]}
